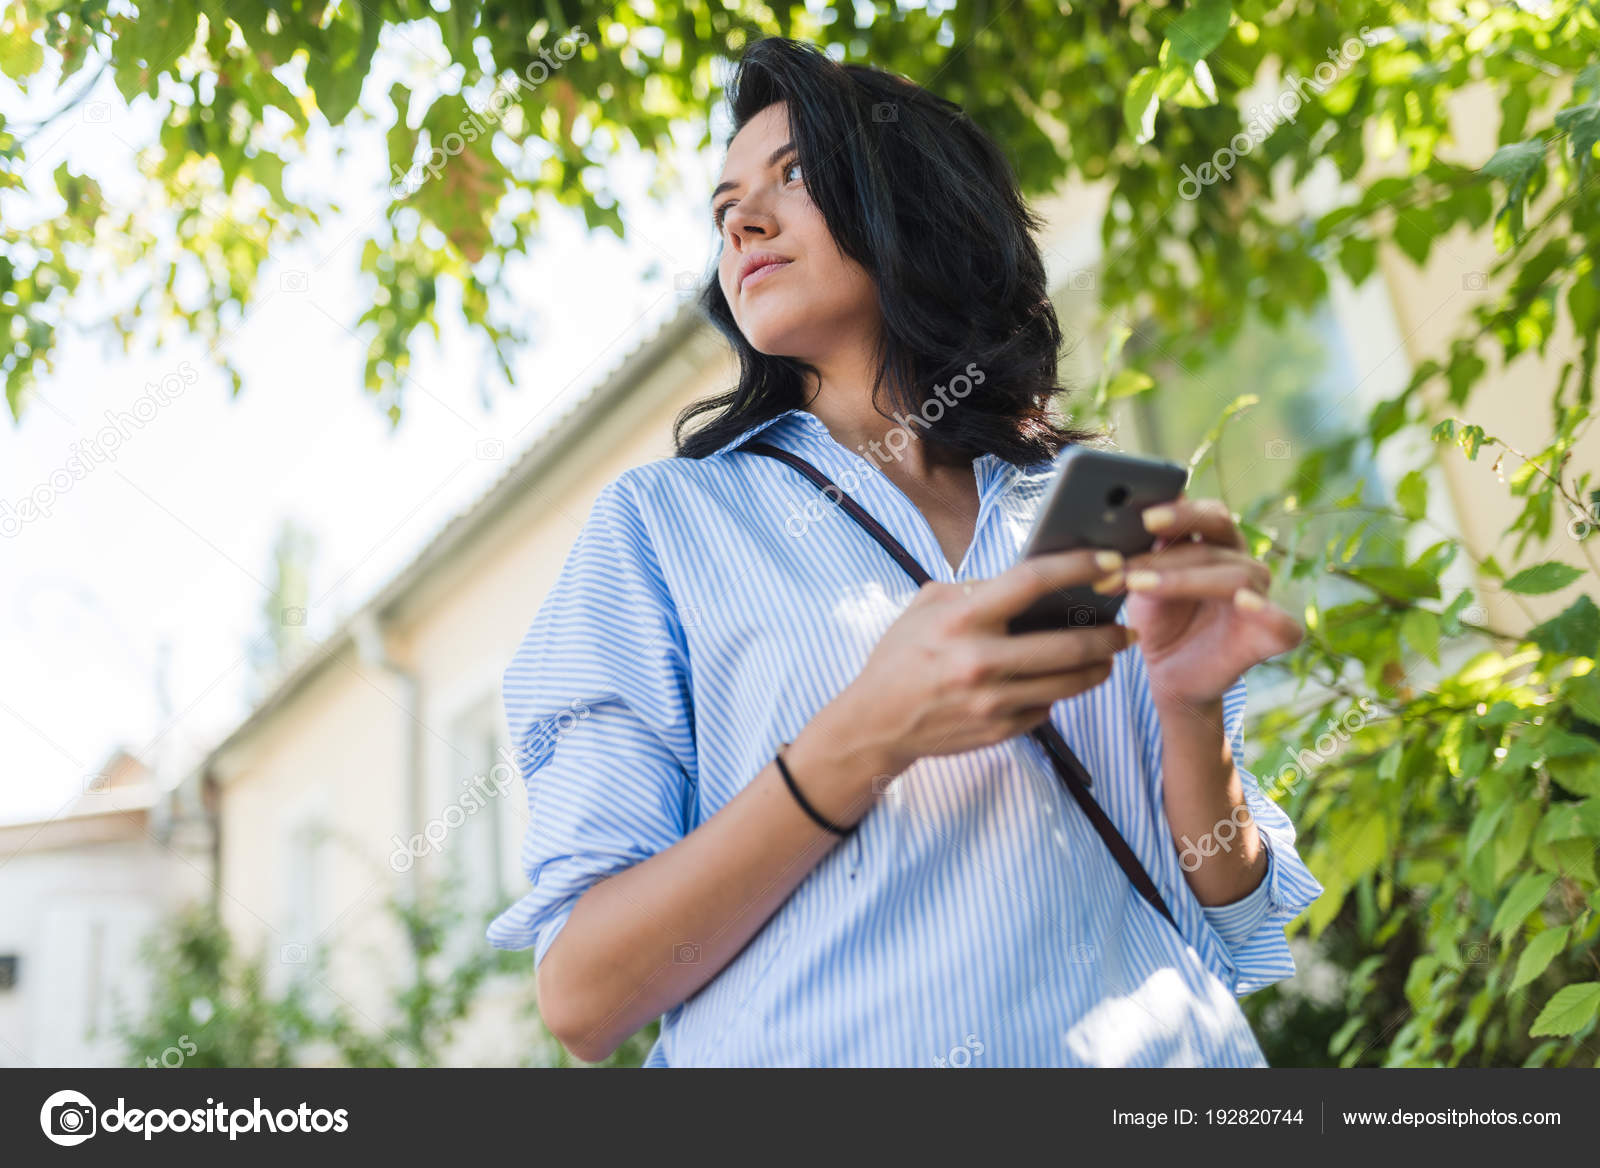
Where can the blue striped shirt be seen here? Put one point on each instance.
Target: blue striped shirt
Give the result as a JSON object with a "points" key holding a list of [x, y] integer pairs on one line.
{"points": [[708, 609]]}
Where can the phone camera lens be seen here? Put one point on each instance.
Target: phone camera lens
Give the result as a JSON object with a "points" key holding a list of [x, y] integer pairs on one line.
{"points": [[1117, 496]]}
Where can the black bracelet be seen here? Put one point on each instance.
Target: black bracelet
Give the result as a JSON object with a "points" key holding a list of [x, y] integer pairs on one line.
{"points": [[783, 769]]}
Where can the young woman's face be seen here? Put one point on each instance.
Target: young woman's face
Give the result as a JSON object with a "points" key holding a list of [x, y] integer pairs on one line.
{"points": [[816, 299]]}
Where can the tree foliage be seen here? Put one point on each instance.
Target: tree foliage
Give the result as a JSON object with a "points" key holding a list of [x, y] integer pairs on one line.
{"points": [[525, 106]]}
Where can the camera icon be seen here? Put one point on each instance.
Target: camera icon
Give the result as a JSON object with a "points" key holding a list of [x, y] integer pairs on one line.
{"points": [[97, 113], [292, 954], [685, 282], [686, 953], [1084, 280], [1278, 448], [68, 1118], [72, 1119], [96, 784], [1475, 953], [1082, 616], [491, 450], [1083, 954], [689, 615], [1475, 281], [883, 785], [293, 282], [885, 111], [1475, 614], [294, 617]]}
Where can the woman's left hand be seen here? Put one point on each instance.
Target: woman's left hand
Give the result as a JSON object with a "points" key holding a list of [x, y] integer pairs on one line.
{"points": [[1198, 600]]}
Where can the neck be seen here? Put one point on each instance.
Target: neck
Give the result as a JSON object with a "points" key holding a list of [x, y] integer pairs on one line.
{"points": [[841, 397]]}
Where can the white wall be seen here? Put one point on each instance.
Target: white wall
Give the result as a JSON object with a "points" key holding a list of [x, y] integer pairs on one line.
{"points": [[75, 917]]}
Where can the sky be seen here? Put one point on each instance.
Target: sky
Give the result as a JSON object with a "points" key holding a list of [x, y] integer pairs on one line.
{"points": [[126, 612]]}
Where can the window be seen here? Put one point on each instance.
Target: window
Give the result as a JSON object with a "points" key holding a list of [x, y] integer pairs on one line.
{"points": [[1309, 387], [478, 789], [95, 979], [306, 891]]}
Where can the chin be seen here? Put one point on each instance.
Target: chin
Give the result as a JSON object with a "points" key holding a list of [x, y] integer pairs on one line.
{"points": [[774, 334]]}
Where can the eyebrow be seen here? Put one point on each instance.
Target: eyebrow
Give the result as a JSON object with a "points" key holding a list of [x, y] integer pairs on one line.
{"points": [[772, 160]]}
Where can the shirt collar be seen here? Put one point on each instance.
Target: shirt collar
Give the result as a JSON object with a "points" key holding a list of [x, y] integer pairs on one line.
{"points": [[778, 423], [771, 423]]}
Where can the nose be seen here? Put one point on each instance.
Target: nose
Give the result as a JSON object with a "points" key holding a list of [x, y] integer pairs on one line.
{"points": [[751, 218]]}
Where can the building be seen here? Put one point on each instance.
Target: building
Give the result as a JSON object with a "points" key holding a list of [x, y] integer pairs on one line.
{"points": [[81, 891]]}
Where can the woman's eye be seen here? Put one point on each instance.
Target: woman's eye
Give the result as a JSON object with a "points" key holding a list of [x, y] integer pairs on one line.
{"points": [[721, 213]]}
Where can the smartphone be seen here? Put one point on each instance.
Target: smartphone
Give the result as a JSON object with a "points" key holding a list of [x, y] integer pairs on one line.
{"points": [[1095, 501]]}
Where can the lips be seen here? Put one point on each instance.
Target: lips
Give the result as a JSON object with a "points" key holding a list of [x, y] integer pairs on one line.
{"points": [[758, 274], [759, 265]]}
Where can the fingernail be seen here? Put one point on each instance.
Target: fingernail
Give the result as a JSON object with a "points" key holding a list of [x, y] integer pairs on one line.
{"points": [[1111, 583], [1133, 634], [1141, 581], [1249, 599], [1158, 517], [1108, 561]]}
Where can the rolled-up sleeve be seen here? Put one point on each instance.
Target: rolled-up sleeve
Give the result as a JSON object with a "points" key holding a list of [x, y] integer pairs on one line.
{"points": [[1252, 929], [598, 706]]}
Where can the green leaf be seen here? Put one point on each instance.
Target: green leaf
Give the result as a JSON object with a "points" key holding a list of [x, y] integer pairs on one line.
{"points": [[20, 55], [1128, 383], [1542, 578], [1140, 103], [1466, 367], [1589, 817], [1561, 743], [1571, 1009], [1450, 619], [1579, 774], [1514, 163], [1344, 1034], [1200, 29], [1419, 628], [1483, 828], [1562, 821], [1366, 847], [1199, 88], [1536, 958], [1510, 844], [1413, 236], [1574, 632], [1582, 122], [1584, 694], [1575, 859], [1412, 494], [1358, 257], [1399, 583], [1526, 895]]}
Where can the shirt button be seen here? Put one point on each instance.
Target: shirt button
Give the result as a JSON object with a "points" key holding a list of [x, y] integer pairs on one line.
{"points": [[1061, 836]]}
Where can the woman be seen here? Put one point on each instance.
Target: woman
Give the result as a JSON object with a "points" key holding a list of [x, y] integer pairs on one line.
{"points": [[786, 800]]}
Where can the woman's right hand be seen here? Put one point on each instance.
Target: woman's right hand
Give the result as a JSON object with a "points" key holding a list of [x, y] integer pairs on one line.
{"points": [[948, 677]]}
